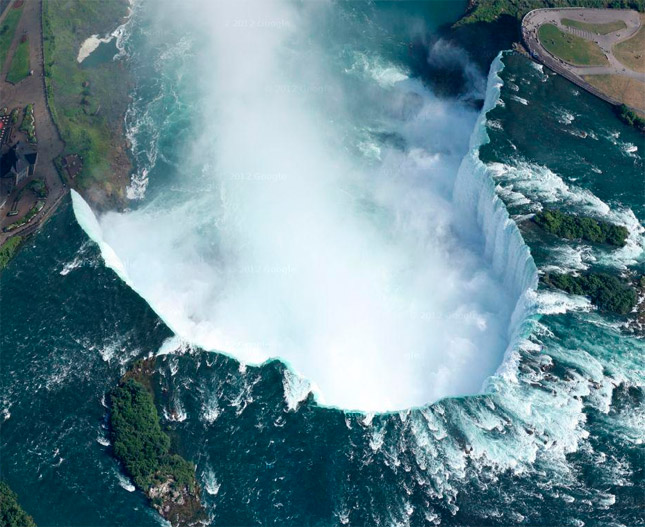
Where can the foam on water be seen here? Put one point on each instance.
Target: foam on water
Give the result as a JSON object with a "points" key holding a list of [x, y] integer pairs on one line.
{"points": [[550, 437], [263, 267], [91, 43], [554, 302], [88, 222], [296, 389], [125, 482], [210, 482]]}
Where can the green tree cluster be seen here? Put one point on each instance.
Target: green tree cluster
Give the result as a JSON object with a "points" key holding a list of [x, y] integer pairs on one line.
{"points": [[490, 10], [574, 227], [140, 443], [9, 250], [631, 118], [606, 291], [11, 514], [38, 187]]}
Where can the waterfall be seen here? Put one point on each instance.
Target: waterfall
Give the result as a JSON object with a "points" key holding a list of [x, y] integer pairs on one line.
{"points": [[474, 194], [419, 320]]}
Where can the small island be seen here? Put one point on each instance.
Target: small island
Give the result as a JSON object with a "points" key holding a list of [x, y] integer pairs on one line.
{"points": [[607, 292], [144, 449], [573, 227]]}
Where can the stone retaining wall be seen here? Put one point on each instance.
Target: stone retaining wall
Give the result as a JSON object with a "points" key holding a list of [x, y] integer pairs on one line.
{"points": [[540, 54]]}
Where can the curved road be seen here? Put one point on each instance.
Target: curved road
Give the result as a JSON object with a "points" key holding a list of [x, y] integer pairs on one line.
{"points": [[533, 20]]}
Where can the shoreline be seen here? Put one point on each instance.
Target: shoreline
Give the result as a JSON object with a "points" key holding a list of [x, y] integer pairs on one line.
{"points": [[105, 162], [570, 72], [104, 183], [107, 189]]}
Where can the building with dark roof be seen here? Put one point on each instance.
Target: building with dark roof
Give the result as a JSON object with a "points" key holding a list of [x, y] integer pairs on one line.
{"points": [[18, 163]]}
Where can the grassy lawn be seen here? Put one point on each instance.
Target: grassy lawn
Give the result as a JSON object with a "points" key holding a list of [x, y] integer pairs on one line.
{"points": [[632, 52], [7, 31], [19, 68], [570, 48], [599, 29], [625, 89], [87, 103]]}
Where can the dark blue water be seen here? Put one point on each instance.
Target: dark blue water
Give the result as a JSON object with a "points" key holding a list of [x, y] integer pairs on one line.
{"points": [[556, 440]]}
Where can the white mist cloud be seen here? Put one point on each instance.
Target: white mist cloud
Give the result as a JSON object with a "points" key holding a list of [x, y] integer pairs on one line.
{"points": [[311, 217]]}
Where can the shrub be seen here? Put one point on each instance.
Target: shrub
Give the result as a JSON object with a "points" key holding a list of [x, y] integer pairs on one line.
{"points": [[19, 66], [630, 117], [574, 227], [28, 123], [606, 291], [489, 10], [38, 187]]}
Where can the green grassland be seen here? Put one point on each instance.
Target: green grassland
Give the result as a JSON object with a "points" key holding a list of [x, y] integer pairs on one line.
{"points": [[7, 30], [19, 68], [632, 52], [489, 26], [570, 48], [625, 89], [491, 10], [599, 29], [87, 104]]}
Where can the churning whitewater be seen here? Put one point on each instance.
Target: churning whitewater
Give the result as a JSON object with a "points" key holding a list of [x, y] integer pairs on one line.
{"points": [[317, 205]]}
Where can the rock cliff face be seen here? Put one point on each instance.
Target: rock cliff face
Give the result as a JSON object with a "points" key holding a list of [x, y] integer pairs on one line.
{"points": [[179, 506]]}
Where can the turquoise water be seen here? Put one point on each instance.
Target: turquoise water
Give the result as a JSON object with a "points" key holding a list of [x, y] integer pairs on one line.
{"points": [[556, 439], [294, 200]]}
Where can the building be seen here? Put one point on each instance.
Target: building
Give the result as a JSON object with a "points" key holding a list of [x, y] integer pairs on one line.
{"points": [[18, 163]]}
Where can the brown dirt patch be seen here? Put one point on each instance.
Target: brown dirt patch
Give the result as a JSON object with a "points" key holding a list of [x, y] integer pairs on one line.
{"points": [[625, 89], [631, 52]]}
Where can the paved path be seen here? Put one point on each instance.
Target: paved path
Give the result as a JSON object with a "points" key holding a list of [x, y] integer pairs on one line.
{"points": [[533, 20], [32, 90], [632, 20]]}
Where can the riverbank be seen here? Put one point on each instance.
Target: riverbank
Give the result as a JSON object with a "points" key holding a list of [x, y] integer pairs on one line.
{"points": [[88, 102], [487, 11], [77, 110], [586, 56], [489, 26]]}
